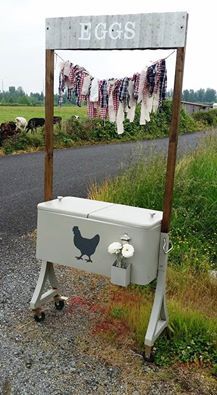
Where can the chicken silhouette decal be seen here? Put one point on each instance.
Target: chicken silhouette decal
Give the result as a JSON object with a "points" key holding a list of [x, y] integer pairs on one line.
{"points": [[86, 246]]}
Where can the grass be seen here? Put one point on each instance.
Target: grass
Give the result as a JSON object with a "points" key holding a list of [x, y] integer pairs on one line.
{"points": [[193, 338], [9, 113], [191, 292], [194, 224], [192, 335]]}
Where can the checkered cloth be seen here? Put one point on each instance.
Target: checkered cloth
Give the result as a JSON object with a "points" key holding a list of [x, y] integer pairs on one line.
{"points": [[123, 91], [92, 109], [115, 95], [72, 72], [151, 78], [80, 73], [156, 81], [61, 88], [103, 94], [162, 78], [136, 79], [103, 98]]}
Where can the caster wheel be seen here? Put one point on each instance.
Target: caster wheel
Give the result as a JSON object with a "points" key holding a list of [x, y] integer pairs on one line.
{"points": [[39, 317], [149, 358], [60, 304], [148, 354]]}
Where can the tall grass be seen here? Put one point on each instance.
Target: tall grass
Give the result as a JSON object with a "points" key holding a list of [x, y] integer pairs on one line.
{"points": [[191, 292], [193, 338], [192, 335], [194, 219]]}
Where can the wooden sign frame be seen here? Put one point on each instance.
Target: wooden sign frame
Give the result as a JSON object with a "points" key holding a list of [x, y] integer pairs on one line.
{"points": [[136, 31]]}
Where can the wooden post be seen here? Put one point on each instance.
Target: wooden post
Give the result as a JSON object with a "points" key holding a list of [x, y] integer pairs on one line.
{"points": [[173, 140], [49, 103]]}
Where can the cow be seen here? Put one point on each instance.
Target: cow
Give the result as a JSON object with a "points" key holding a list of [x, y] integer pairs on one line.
{"points": [[57, 120], [21, 123], [7, 130], [34, 123]]}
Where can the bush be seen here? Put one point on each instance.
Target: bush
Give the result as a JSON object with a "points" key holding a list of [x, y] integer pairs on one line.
{"points": [[23, 140], [99, 130], [207, 118]]}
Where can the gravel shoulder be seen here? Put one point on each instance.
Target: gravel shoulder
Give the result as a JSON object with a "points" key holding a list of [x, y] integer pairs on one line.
{"points": [[62, 356]]}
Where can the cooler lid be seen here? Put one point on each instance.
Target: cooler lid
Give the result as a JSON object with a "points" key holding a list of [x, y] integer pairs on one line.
{"points": [[128, 215], [73, 206]]}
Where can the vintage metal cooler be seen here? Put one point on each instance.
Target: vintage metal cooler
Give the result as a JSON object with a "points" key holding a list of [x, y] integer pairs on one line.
{"points": [[77, 232]]}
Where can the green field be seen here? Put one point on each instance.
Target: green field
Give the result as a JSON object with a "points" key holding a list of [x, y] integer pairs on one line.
{"points": [[9, 113]]}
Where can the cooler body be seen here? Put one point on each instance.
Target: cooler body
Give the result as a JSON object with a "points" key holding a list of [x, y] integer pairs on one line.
{"points": [[77, 232]]}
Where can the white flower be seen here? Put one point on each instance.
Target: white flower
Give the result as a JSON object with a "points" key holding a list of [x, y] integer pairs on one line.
{"points": [[114, 248], [127, 250]]}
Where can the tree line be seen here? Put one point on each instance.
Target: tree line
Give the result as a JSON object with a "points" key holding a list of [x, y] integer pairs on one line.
{"points": [[206, 96], [17, 96]]}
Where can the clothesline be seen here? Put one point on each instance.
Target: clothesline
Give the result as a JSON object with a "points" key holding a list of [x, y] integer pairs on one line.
{"points": [[113, 98], [150, 61]]}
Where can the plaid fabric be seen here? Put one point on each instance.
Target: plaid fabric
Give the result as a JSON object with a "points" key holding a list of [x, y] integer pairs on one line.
{"points": [[123, 91], [110, 87], [151, 78], [103, 94], [79, 79], [115, 95], [103, 99], [145, 90], [111, 111], [80, 96], [61, 88], [136, 79], [103, 113], [69, 94], [72, 72], [77, 85], [73, 82], [156, 81], [92, 109], [162, 81]]}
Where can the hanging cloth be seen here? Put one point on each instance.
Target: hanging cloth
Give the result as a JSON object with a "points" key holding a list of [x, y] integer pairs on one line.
{"points": [[94, 90], [132, 102], [111, 108], [116, 98]]}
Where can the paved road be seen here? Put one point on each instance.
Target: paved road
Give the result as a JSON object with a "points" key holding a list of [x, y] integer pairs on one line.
{"points": [[21, 176]]}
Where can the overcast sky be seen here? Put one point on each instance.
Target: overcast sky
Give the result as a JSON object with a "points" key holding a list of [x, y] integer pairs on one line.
{"points": [[22, 41]]}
